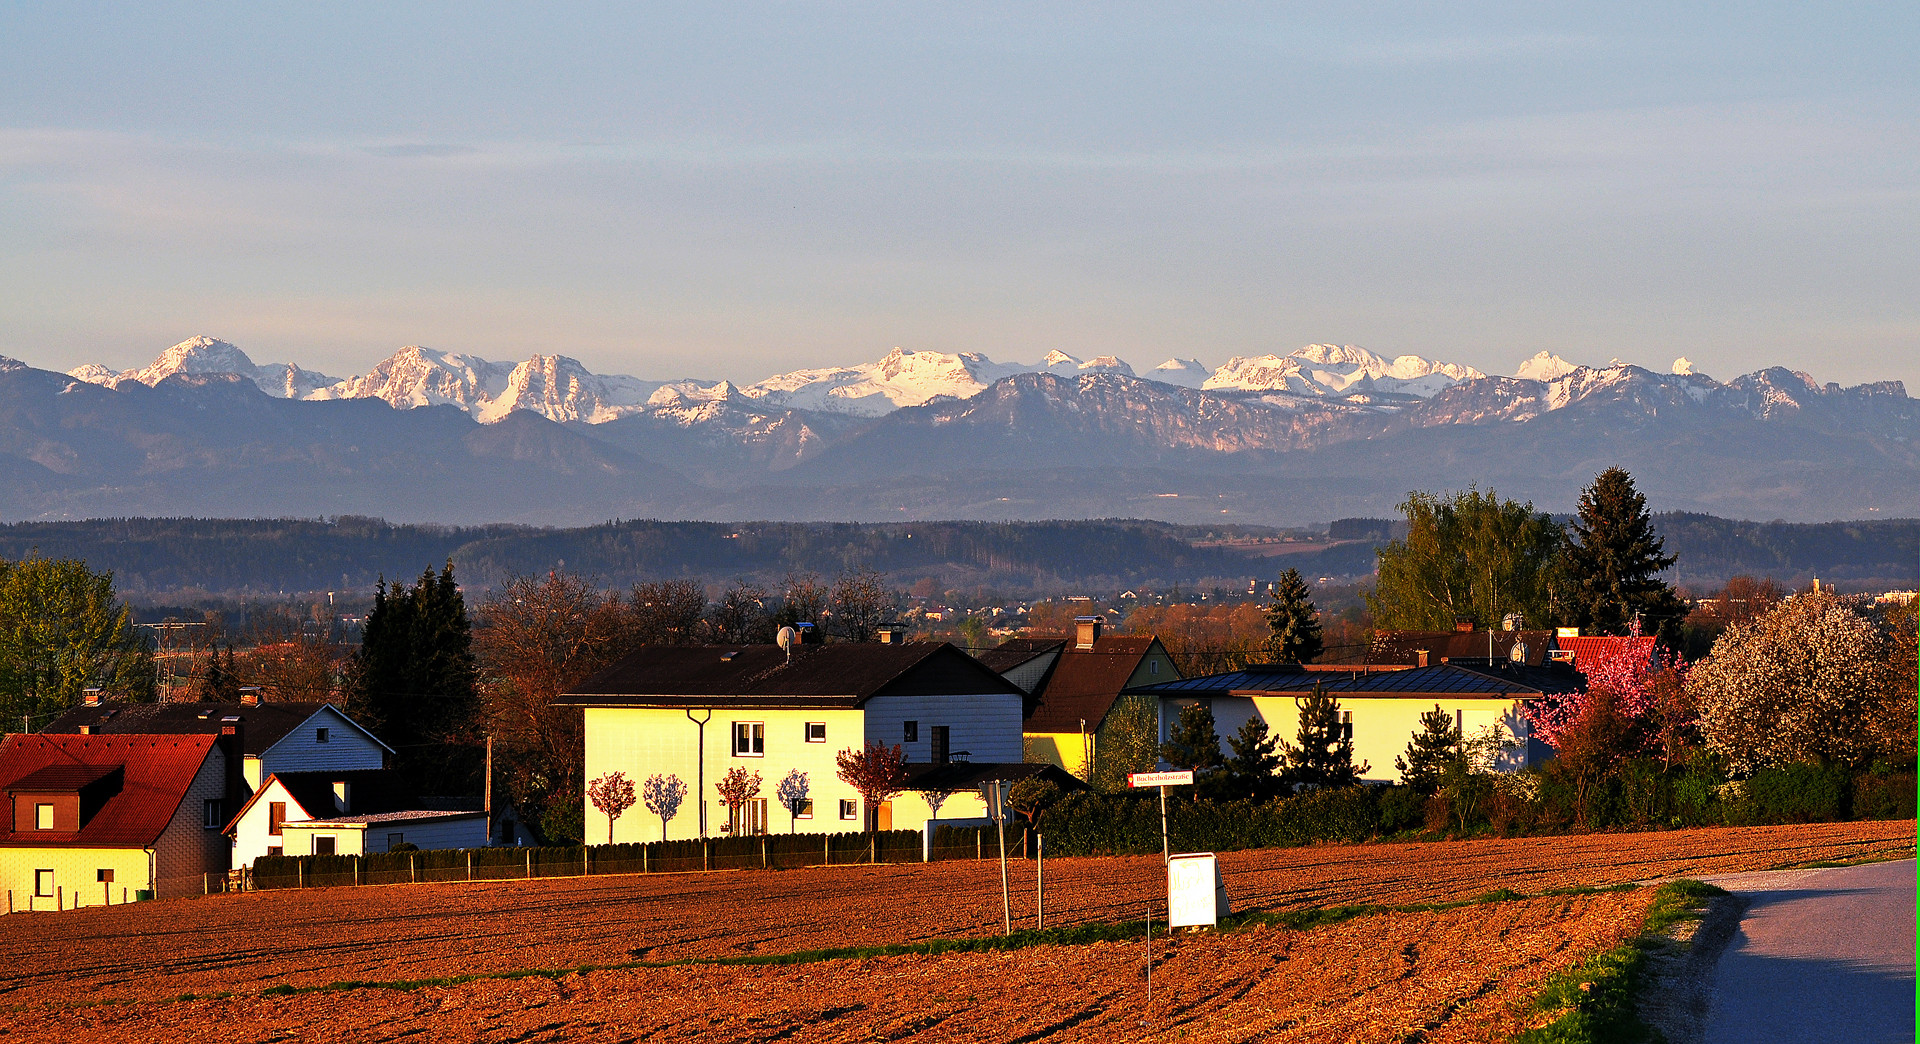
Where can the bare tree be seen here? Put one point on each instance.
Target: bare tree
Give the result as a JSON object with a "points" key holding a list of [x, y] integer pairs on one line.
{"points": [[861, 602], [740, 617], [802, 597], [668, 612]]}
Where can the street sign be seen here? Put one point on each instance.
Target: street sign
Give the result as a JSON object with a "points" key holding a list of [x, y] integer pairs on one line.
{"points": [[1161, 779]]}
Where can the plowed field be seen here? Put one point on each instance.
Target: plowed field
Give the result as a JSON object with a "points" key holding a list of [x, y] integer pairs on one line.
{"points": [[245, 943]]}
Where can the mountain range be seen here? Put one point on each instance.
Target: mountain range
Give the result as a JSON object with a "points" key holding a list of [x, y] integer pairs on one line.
{"points": [[1323, 432]]}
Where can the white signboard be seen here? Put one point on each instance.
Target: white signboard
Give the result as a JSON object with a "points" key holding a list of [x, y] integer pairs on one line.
{"points": [[1161, 779], [1196, 895]]}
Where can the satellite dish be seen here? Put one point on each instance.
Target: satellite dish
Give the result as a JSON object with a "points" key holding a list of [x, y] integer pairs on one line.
{"points": [[785, 638], [1518, 654]]}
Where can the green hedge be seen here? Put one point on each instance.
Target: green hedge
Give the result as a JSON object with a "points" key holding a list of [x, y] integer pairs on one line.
{"points": [[1129, 824]]}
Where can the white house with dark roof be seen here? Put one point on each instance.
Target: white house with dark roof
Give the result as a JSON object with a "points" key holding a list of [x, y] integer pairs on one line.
{"points": [[697, 711], [348, 813], [276, 737]]}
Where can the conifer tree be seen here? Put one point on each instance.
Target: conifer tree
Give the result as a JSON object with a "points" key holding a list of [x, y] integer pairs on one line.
{"points": [[1253, 773], [415, 681], [1194, 744], [1611, 562], [1293, 622], [1324, 756], [1430, 751]]}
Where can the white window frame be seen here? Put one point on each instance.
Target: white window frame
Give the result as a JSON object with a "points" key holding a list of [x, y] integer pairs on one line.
{"points": [[213, 815], [332, 840], [822, 726], [806, 810], [750, 734], [849, 808]]}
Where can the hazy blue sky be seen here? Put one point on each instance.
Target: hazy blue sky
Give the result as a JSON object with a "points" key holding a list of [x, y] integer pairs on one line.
{"points": [[727, 191]]}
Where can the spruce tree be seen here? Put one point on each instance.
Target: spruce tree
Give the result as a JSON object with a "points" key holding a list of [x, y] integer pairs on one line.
{"points": [[1253, 771], [1611, 560], [1293, 622], [1324, 756], [1431, 750], [415, 683], [1193, 743]]}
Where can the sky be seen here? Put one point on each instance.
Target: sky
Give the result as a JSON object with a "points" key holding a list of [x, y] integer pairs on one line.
{"points": [[729, 191]]}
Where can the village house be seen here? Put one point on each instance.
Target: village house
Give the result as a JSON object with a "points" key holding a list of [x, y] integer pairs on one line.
{"points": [[1380, 709], [96, 819], [694, 712], [1075, 684], [349, 813], [276, 737]]}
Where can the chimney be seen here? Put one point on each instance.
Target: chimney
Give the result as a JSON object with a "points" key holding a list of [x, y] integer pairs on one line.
{"points": [[1089, 630], [250, 695], [233, 748], [90, 697], [1425, 656], [1462, 626], [890, 634], [342, 797]]}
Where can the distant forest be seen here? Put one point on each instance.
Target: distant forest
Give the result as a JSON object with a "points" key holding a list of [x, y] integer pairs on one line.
{"points": [[155, 558]]}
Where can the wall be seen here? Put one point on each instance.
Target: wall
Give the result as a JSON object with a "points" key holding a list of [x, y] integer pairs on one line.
{"points": [[250, 838], [986, 726], [1382, 726], [1028, 674], [463, 832], [188, 849], [346, 748], [74, 872], [348, 839], [1065, 749]]}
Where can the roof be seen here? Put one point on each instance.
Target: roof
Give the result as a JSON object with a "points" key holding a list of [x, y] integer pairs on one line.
{"points": [[972, 775], [1084, 683], [264, 724], [1404, 646], [1594, 648], [845, 674], [157, 771], [58, 778], [1015, 651], [368, 791], [1439, 679], [410, 815]]}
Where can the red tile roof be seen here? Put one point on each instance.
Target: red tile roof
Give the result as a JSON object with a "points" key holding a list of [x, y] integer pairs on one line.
{"points": [[158, 771], [1592, 649]]}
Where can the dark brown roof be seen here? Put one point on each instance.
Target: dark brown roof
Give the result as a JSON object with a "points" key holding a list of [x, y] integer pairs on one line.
{"points": [[1403, 647], [264, 724], [1498, 682], [158, 770], [60, 778], [1015, 651], [845, 674], [1085, 682]]}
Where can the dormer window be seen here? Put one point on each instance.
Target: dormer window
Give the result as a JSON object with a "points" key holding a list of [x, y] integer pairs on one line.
{"points": [[43, 815]]}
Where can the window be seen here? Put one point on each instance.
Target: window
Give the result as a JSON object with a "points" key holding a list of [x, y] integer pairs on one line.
{"points": [[939, 753], [323, 844], [816, 732], [213, 819], [806, 810], [276, 815], [43, 817], [104, 875], [323, 735], [1346, 725], [849, 809], [395, 839], [275, 850], [749, 739], [1153, 666], [43, 883], [912, 731]]}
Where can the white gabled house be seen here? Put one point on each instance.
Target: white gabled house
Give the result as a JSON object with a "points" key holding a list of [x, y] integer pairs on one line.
{"points": [[347, 813], [697, 711]]}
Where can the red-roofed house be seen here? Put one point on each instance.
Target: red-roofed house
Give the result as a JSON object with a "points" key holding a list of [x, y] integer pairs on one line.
{"points": [[97, 819], [1589, 651]]}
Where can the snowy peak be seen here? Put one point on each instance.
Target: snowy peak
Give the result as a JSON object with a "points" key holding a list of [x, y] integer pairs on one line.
{"points": [[1181, 373], [420, 376], [1338, 370], [901, 378], [210, 355], [1545, 366]]}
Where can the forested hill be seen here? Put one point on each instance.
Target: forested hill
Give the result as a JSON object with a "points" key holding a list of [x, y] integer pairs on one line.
{"points": [[155, 557]]}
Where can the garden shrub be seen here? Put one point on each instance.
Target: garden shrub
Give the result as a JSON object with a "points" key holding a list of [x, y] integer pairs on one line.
{"points": [[1793, 794]]}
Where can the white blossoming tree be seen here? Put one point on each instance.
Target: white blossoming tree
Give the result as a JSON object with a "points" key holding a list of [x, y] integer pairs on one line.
{"points": [[663, 795]]}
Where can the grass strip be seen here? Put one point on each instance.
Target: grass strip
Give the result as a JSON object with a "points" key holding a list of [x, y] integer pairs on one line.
{"points": [[1076, 935], [1593, 1001]]}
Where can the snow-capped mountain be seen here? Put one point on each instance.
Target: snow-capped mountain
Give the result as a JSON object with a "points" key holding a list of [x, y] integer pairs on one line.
{"points": [[1545, 366], [212, 355], [1181, 373], [417, 376], [1338, 370]]}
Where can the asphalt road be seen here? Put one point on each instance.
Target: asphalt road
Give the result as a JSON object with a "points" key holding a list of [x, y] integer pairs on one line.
{"points": [[1821, 955]]}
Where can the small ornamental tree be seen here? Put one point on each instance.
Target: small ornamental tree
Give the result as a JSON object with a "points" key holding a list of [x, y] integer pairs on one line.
{"points": [[612, 794], [736, 788], [1430, 751], [792, 793], [1031, 797], [663, 795], [1293, 622], [877, 772], [1324, 757]]}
